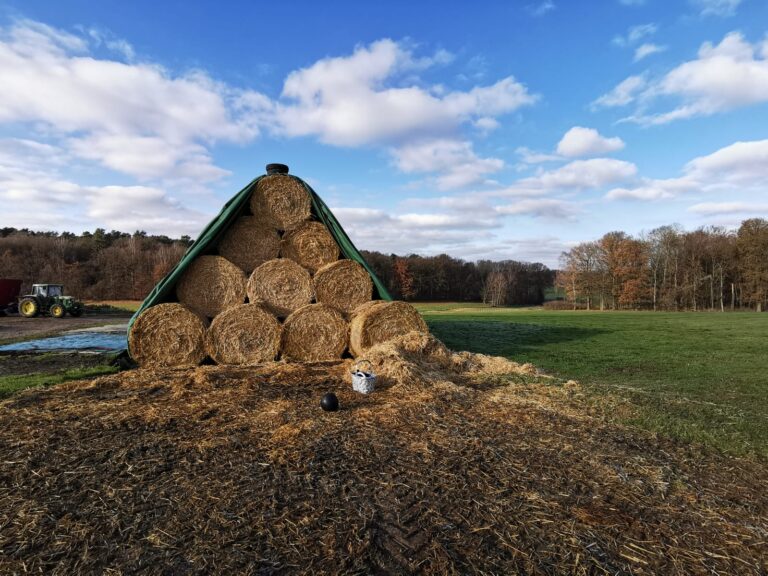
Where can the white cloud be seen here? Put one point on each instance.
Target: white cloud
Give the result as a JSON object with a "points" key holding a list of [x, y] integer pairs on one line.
{"points": [[651, 189], [40, 199], [139, 207], [632, 2], [718, 208], [539, 207], [716, 7], [577, 175], [148, 157], [354, 100], [528, 156], [454, 160], [486, 124], [635, 34], [725, 76], [624, 93], [49, 78], [743, 164], [740, 168], [580, 141], [427, 233], [541, 8], [647, 49]]}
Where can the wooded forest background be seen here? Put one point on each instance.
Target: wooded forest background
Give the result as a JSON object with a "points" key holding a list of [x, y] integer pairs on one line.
{"points": [[665, 269]]}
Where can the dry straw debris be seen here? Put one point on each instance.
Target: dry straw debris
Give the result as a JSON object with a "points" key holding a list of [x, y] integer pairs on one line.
{"points": [[344, 284], [311, 245], [249, 243], [168, 335], [281, 201], [282, 285], [314, 333], [374, 323], [246, 334], [210, 285], [455, 465]]}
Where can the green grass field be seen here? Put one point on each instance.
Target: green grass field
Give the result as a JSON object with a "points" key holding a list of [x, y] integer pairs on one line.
{"points": [[697, 376]]}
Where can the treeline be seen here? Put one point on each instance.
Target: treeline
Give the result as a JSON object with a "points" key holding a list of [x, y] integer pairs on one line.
{"points": [[94, 266], [116, 266], [444, 278], [670, 269]]}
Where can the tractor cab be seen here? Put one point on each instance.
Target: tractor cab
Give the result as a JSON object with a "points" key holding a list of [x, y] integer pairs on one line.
{"points": [[47, 290], [49, 299]]}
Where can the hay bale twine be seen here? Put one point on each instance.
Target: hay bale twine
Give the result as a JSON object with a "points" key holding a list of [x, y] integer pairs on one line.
{"points": [[376, 323], [311, 245], [211, 285], [168, 335], [343, 284], [281, 201], [314, 333], [282, 285], [249, 242], [245, 334]]}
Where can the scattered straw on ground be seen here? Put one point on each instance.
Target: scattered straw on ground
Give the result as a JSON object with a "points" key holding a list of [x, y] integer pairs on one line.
{"points": [[344, 284], [311, 245], [374, 323], [249, 242], [168, 335], [282, 285], [246, 334], [449, 467], [315, 332], [210, 285], [281, 201]]}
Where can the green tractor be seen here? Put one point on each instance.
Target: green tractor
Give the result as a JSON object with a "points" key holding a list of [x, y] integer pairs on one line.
{"points": [[49, 299]]}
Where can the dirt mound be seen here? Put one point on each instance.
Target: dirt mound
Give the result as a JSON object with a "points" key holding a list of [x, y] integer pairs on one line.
{"points": [[458, 463]]}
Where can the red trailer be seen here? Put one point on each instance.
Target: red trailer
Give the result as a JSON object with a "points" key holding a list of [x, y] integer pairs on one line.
{"points": [[9, 290]]}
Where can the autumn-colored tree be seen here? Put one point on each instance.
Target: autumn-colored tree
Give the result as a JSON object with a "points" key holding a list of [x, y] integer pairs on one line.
{"points": [[631, 270], [403, 278]]}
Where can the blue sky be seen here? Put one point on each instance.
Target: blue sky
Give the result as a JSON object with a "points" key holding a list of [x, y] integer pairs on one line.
{"points": [[485, 130]]}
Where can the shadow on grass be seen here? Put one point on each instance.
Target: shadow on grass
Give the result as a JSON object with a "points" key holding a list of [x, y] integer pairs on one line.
{"points": [[504, 338]]}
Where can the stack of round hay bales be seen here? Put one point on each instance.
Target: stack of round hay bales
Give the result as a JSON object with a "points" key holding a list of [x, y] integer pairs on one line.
{"points": [[276, 289]]}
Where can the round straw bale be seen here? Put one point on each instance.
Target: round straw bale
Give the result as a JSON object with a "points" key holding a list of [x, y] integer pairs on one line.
{"points": [[377, 323], [311, 245], [363, 307], [168, 335], [282, 285], [249, 242], [313, 333], [210, 285], [245, 334], [343, 284], [282, 201]]}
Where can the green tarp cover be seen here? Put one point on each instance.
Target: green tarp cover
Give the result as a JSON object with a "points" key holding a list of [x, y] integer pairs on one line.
{"points": [[165, 290]]}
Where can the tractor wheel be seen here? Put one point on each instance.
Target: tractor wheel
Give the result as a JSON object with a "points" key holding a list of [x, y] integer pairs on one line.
{"points": [[57, 310], [29, 308], [76, 312]]}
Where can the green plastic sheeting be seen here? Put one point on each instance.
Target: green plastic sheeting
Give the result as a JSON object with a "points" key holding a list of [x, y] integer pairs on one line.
{"points": [[165, 290]]}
